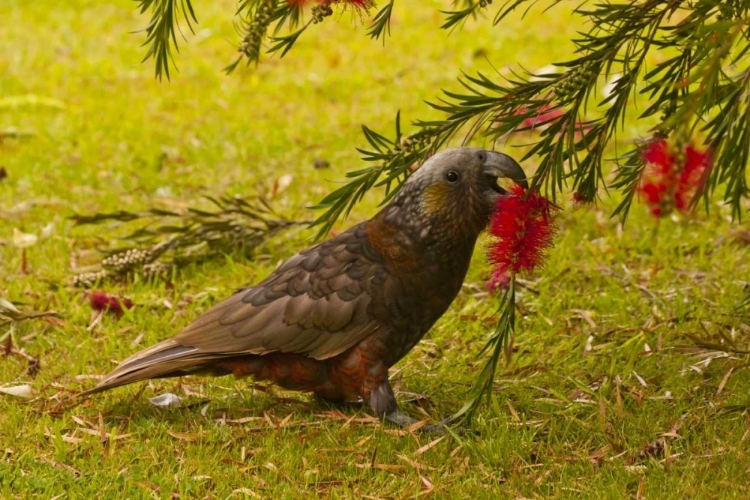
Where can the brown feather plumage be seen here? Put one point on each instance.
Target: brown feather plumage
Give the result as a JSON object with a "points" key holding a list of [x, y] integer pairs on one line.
{"points": [[335, 317]]}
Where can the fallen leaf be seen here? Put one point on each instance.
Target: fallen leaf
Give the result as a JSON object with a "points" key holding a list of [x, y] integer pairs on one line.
{"points": [[8, 306], [429, 445], [427, 484], [284, 182], [242, 420], [24, 391], [147, 485], [24, 240], [166, 400], [48, 230], [417, 425], [385, 467], [417, 465], [185, 436], [61, 466]]}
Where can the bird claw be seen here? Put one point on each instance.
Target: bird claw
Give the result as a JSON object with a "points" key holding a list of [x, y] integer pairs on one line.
{"points": [[443, 427]]}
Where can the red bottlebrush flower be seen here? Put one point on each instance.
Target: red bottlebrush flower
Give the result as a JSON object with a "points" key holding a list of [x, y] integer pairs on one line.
{"points": [[657, 153], [102, 301], [692, 176], [523, 228], [672, 178], [498, 279]]}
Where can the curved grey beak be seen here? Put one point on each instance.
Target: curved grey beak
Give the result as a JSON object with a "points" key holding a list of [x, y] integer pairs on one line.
{"points": [[502, 165]]}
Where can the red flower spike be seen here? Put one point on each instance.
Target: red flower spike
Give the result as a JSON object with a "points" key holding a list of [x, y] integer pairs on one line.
{"points": [[524, 229], [102, 301], [657, 153], [499, 279], [668, 184], [692, 176]]}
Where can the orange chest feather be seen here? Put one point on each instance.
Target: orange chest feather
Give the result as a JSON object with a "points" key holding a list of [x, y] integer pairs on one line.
{"points": [[392, 246]]}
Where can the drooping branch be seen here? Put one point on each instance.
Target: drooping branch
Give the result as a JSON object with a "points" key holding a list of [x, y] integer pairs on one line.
{"points": [[700, 90]]}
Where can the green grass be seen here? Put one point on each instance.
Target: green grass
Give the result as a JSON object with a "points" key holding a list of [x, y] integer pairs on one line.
{"points": [[605, 360]]}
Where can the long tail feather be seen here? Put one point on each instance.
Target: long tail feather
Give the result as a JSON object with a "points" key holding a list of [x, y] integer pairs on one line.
{"points": [[165, 359]]}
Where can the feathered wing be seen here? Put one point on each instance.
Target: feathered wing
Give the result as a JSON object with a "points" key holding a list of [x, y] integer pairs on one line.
{"points": [[316, 304]]}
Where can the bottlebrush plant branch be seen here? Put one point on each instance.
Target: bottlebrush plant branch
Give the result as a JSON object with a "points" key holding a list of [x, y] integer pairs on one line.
{"points": [[258, 16], [696, 87], [381, 23], [161, 32], [166, 239], [523, 229], [698, 90], [255, 27]]}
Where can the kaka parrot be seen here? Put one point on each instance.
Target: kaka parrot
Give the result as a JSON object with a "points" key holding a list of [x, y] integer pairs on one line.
{"points": [[335, 317]]}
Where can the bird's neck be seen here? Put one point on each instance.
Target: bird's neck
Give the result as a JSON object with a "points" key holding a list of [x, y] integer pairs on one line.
{"points": [[412, 244]]}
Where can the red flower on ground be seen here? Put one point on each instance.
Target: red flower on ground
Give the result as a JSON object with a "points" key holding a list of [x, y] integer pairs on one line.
{"points": [[523, 228], [672, 178], [102, 301]]}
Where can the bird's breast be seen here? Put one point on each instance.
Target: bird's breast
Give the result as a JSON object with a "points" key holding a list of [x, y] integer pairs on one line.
{"points": [[423, 281]]}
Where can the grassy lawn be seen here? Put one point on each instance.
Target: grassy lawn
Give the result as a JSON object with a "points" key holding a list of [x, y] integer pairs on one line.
{"points": [[607, 395]]}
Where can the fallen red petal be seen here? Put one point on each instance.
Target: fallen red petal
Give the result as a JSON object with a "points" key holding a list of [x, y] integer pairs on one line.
{"points": [[102, 301]]}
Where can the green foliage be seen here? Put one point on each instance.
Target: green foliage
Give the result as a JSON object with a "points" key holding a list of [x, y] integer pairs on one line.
{"points": [[698, 94], [696, 91], [381, 23], [498, 343], [161, 32]]}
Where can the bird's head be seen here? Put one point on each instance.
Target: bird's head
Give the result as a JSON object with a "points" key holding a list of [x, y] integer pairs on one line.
{"points": [[453, 193]]}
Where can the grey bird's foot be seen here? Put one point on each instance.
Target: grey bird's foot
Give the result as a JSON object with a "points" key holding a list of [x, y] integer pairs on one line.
{"points": [[383, 403], [403, 420]]}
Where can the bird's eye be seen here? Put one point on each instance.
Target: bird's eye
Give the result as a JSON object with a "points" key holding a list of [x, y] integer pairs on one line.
{"points": [[451, 176]]}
